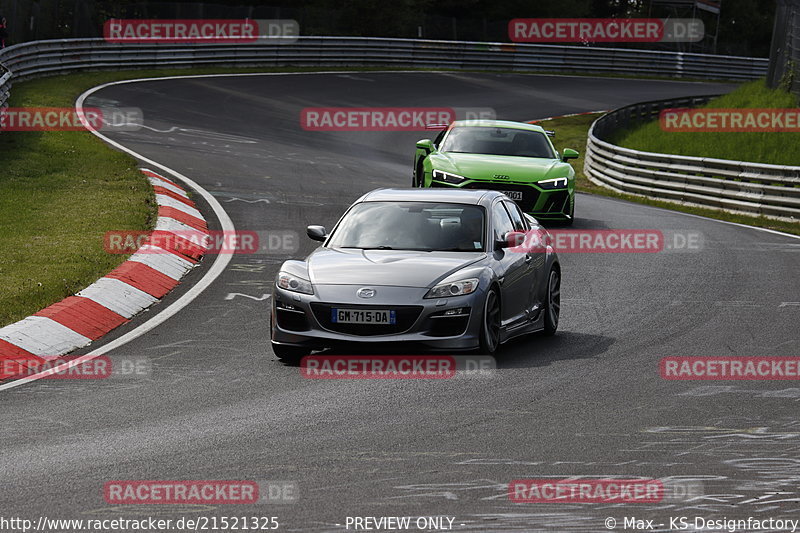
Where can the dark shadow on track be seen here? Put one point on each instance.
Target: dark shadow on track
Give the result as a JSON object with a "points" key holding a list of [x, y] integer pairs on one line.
{"points": [[537, 350]]}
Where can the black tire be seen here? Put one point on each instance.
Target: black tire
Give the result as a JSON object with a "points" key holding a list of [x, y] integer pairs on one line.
{"points": [[289, 354], [552, 307], [490, 324], [419, 176]]}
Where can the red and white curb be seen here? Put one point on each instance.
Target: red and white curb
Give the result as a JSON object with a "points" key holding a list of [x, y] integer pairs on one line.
{"points": [[146, 277]]}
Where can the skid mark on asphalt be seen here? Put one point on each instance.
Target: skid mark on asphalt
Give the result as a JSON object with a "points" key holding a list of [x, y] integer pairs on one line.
{"points": [[760, 456], [792, 393], [177, 352], [256, 266], [131, 511], [232, 295], [189, 132], [253, 283], [176, 344], [656, 302]]}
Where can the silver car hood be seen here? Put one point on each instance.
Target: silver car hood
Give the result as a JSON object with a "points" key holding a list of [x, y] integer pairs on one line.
{"points": [[400, 268]]}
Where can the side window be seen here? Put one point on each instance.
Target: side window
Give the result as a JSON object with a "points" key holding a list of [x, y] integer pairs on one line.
{"points": [[516, 217], [501, 221], [438, 140]]}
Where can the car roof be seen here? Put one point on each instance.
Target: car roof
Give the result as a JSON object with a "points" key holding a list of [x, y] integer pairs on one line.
{"points": [[497, 124], [455, 196]]}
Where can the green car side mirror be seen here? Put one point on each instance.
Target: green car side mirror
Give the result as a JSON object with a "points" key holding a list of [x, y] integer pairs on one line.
{"points": [[569, 153], [425, 144]]}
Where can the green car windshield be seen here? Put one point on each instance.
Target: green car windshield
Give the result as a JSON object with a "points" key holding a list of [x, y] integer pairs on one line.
{"points": [[497, 141]]}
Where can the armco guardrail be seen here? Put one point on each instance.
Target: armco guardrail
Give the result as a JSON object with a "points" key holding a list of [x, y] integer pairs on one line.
{"points": [[738, 186], [607, 163], [5, 87], [39, 58]]}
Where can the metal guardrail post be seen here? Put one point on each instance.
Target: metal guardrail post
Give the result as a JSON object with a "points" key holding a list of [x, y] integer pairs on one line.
{"points": [[658, 175], [48, 57]]}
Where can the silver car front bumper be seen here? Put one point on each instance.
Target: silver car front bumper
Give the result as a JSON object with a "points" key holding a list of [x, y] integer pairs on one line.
{"points": [[305, 320]]}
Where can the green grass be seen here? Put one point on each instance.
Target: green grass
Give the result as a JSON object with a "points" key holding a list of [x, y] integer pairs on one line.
{"points": [[572, 132], [760, 147], [61, 191]]}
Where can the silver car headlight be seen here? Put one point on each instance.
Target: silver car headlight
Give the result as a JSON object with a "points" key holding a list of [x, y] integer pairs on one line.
{"points": [[555, 183], [447, 177], [290, 282], [454, 288]]}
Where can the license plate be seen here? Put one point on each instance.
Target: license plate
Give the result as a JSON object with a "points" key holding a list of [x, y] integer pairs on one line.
{"points": [[359, 316], [514, 195]]}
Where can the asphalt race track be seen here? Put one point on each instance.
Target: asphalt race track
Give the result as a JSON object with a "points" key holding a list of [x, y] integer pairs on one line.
{"points": [[587, 402]]}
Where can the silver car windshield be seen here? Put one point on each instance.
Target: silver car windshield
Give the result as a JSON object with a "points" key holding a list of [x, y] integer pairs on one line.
{"points": [[412, 226], [497, 141]]}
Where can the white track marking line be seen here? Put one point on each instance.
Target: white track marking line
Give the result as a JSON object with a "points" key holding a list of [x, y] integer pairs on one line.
{"points": [[219, 265], [225, 221], [776, 232], [425, 71], [767, 230]]}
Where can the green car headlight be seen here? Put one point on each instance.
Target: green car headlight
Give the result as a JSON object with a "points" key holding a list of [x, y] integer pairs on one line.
{"points": [[289, 282], [447, 177], [555, 183], [455, 288]]}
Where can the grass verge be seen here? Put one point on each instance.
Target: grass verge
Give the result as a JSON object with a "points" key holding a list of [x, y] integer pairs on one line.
{"points": [[61, 191], [572, 132], [778, 148]]}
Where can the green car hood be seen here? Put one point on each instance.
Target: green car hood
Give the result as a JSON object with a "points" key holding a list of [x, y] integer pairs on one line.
{"points": [[486, 167]]}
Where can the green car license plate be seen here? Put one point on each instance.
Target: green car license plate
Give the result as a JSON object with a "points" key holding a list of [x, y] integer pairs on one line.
{"points": [[514, 195]]}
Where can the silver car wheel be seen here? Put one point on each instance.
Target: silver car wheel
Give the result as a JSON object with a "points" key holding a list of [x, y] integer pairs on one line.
{"points": [[491, 322]]}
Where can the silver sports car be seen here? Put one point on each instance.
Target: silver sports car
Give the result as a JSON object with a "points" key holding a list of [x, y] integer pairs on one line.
{"points": [[444, 269]]}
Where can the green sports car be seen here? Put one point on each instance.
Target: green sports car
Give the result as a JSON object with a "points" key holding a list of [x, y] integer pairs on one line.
{"points": [[515, 158]]}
